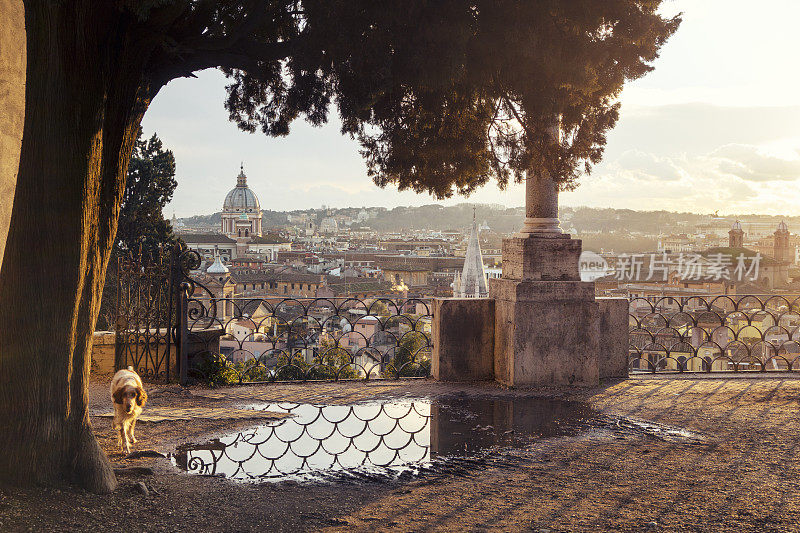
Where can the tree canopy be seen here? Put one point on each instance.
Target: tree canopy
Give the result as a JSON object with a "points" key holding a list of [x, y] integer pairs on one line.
{"points": [[443, 96]]}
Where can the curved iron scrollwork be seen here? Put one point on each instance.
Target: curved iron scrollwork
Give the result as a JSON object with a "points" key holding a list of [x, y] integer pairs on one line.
{"points": [[145, 314], [318, 438], [286, 339], [169, 322], [726, 333]]}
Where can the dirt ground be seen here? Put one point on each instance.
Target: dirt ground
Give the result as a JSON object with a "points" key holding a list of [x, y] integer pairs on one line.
{"points": [[745, 477]]}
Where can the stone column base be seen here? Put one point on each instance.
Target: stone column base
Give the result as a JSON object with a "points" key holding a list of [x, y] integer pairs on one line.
{"points": [[546, 333], [547, 256]]}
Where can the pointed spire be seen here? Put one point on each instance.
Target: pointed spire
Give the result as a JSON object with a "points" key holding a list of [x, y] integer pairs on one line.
{"points": [[473, 277]]}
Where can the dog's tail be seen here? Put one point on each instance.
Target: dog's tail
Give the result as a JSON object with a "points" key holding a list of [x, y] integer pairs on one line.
{"points": [[130, 368]]}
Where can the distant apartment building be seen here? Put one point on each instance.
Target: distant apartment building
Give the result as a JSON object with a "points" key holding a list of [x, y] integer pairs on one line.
{"points": [[206, 243], [268, 247], [713, 271], [676, 243]]}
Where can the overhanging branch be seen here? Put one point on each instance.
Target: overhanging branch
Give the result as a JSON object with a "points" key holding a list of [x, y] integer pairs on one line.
{"points": [[245, 55]]}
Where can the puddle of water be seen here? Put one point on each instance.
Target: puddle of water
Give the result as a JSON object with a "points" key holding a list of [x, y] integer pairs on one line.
{"points": [[658, 431], [377, 438]]}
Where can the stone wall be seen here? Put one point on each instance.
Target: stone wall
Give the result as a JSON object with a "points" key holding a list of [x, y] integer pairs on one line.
{"points": [[12, 105], [103, 350], [614, 337], [463, 339], [103, 353]]}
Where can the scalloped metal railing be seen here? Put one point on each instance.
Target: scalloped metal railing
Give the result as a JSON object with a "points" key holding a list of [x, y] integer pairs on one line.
{"points": [[717, 333]]}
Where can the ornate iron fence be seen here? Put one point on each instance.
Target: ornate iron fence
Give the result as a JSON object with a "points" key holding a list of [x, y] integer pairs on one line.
{"points": [[145, 314], [726, 333], [275, 338], [283, 339]]}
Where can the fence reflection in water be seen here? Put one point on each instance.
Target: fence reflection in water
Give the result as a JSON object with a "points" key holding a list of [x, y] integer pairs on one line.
{"points": [[726, 333], [321, 438], [277, 339], [377, 438]]}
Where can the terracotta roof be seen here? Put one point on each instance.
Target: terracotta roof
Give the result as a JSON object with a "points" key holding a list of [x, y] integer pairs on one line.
{"points": [[253, 276], [736, 252], [360, 286], [269, 239], [406, 268], [206, 238]]}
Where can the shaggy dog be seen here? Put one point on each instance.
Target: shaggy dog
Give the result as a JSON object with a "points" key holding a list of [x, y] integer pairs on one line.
{"points": [[129, 397]]}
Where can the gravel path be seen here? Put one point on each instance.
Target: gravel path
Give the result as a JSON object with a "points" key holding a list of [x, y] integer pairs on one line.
{"points": [[744, 477]]}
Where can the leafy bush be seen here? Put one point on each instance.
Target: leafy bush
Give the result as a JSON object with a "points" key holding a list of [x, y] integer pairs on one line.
{"points": [[215, 370]]}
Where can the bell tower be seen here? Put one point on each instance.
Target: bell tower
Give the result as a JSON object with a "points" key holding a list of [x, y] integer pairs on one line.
{"points": [[736, 236], [782, 252]]}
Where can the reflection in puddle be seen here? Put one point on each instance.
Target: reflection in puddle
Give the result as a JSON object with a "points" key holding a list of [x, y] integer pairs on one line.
{"points": [[377, 438]]}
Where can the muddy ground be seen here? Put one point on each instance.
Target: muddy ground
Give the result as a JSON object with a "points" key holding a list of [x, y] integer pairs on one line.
{"points": [[744, 477]]}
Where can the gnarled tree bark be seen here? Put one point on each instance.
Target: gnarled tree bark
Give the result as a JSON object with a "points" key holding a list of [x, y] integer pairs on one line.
{"points": [[85, 97]]}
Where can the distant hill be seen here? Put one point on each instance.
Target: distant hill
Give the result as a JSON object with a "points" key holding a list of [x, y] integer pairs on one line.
{"points": [[630, 226]]}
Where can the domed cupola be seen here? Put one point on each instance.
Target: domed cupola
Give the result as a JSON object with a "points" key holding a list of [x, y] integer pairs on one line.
{"points": [[217, 269], [736, 235], [241, 210], [241, 199]]}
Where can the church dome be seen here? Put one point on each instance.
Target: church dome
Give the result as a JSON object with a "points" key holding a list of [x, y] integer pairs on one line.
{"points": [[783, 227], [217, 267], [241, 198], [737, 226]]}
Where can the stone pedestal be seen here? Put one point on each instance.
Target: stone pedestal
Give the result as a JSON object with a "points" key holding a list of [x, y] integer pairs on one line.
{"points": [[542, 257], [547, 320], [463, 339]]}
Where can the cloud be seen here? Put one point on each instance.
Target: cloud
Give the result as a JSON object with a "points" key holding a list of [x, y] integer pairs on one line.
{"points": [[679, 182], [698, 129], [649, 166], [687, 157], [750, 163]]}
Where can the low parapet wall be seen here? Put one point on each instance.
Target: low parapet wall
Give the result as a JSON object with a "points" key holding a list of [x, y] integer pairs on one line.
{"points": [[103, 352], [463, 339], [614, 334], [104, 347]]}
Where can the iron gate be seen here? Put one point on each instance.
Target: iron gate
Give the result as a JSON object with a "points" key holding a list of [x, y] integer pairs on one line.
{"points": [[148, 317]]}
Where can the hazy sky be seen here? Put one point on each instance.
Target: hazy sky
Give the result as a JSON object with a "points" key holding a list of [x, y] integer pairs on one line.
{"points": [[715, 127]]}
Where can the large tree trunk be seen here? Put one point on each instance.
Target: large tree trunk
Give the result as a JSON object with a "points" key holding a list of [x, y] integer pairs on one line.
{"points": [[84, 103]]}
